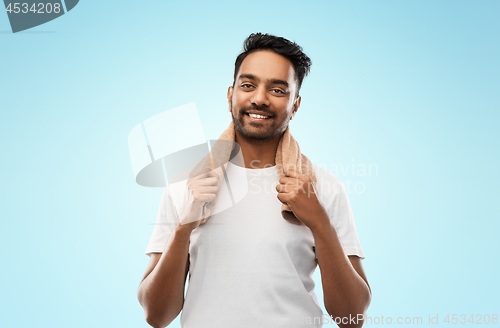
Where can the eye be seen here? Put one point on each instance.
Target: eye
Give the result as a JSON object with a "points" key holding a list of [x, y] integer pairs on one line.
{"points": [[279, 91], [246, 85]]}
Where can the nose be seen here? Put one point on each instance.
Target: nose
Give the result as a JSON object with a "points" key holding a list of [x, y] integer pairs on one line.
{"points": [[260, 97]]}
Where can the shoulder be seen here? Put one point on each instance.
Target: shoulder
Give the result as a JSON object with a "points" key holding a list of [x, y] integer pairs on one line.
{"points": [[327, 183], [174, 193]]}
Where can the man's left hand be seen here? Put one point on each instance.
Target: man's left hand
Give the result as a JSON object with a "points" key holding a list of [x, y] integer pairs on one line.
{"points": [[297, 190]]}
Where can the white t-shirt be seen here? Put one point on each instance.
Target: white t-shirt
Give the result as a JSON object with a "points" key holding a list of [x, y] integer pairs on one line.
{"points": [[249, 267]]}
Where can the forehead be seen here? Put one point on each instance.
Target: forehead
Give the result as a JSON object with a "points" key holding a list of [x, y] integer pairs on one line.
{"points": [[267, 65]]}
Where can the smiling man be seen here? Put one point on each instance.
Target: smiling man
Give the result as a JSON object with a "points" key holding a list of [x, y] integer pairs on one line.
{"points": [[247, 265]]}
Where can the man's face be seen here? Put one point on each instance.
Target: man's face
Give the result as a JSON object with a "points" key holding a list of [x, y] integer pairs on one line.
{"points": [[266, 85]]}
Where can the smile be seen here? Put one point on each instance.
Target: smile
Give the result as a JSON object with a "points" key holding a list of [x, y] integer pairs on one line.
{"points": [[256, 117]]}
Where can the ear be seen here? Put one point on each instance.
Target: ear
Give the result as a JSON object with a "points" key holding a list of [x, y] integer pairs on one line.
{"points": [[296, 106], [229, 97]]}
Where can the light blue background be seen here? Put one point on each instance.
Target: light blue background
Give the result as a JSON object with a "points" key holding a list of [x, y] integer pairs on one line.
{"points": [[410, 86]]}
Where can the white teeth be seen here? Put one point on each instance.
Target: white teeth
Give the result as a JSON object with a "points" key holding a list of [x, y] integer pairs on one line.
{"points": [[257, 116]]}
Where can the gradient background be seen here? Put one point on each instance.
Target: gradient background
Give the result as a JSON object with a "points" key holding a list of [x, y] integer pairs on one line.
{"points": [[410, 86]]}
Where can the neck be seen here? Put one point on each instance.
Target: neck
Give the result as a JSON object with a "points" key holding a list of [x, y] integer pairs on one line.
{"points": [[258, 154]]}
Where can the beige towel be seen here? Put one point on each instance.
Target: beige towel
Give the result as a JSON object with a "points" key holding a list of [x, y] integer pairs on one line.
{"points": [[288, 155]]}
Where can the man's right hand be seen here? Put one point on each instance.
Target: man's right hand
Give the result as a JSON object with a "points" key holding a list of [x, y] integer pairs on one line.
{"points": [[202, 189]]}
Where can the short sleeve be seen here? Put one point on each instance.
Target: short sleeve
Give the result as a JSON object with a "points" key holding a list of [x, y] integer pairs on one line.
{"points": [[166, 222], [340, 213], [333, 197]]}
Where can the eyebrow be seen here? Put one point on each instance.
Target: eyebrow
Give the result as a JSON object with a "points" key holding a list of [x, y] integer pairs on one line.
{"points": [[273, 81]]}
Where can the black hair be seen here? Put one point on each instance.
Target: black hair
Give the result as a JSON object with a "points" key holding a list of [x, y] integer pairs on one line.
{"points": [[290, 50]]}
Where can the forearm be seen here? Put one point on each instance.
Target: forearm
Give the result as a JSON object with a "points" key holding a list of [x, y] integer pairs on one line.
{"points": [[161, 293], [345, 292]]}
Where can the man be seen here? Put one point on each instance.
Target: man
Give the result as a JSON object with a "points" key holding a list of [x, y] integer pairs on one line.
{"points": [[248, 266]]}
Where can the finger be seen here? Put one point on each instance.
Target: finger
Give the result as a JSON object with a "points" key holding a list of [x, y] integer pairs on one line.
{"points": [[210, 181], [292, 172], [212, 174], [206, 197], [291, 182], [288, 180], [283, 197], [207, 189], [282, 188], [202, 175]]}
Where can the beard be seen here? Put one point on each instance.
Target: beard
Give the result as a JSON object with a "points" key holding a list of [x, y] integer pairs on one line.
{"points": [[261, 134]]}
